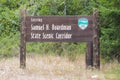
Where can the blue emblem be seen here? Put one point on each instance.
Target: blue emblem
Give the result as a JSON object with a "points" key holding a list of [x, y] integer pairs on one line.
{"points": [[83, 23]]}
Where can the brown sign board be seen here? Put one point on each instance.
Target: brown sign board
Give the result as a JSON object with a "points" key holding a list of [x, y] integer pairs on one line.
{"points": [[58, 29], [61, 29]]}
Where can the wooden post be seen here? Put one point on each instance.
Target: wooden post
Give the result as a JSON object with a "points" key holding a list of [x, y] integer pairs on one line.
{"points": [[23, 40], [96, 44], [89, 55]]}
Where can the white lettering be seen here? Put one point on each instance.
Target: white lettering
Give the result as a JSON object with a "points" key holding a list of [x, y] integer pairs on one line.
{"points": [[61, 27], [47, 27], [35, 36], [37, 27], [63, 36], [47, 36], [36, 20]]}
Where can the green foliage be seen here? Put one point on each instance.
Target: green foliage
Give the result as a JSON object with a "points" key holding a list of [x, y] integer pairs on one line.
{"points": [[9, 46], [62, 49], [110, 33], [109, 24], [9, 22]]}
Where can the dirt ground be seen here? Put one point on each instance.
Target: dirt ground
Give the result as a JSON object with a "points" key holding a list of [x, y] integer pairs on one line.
{"points": [[47, 68]]}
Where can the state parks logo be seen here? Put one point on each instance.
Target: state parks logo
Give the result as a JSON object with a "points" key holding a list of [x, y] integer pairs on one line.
{"points": [[83, 23]]}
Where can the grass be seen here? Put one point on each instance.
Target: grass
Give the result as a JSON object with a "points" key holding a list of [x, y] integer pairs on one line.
{"points": [[47, 67], [40, 68], [112, 70]]}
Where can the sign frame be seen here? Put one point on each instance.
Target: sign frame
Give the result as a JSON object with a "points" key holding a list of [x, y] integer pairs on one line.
{"points": [[93, 45]]}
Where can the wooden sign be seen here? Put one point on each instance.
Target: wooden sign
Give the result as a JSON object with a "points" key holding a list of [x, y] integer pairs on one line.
{"points": [[60, 29]]}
